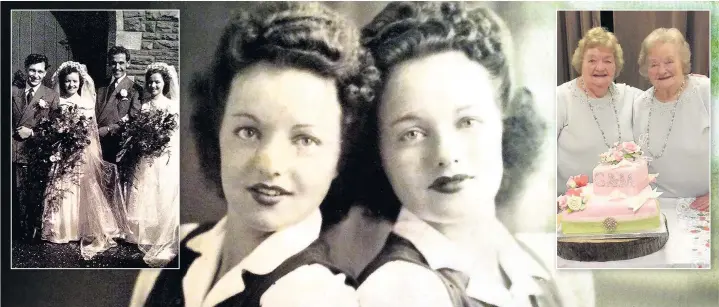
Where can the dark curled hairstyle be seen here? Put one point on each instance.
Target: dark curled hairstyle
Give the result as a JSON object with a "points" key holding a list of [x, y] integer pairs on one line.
{"points": [[296, 34], [62, 74], [165, 78], [407, 30], [115, 50], [35, 58]]}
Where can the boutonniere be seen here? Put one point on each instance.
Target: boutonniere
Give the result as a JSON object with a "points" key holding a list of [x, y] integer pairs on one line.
{"points": [[123, 94], [42, 104]]}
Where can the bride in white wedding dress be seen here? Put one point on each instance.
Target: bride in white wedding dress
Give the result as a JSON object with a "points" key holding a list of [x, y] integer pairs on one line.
{"points": [[90, 210], [153, 201]]}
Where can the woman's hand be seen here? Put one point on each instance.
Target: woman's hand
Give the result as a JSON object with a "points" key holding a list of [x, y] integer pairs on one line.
{"points": [[701, 203]]}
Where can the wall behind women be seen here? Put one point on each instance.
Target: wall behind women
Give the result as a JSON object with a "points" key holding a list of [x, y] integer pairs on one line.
{"points": [[630, 28]]}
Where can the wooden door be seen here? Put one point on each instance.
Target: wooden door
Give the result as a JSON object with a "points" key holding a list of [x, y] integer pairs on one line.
{"points": [[38, 32]]}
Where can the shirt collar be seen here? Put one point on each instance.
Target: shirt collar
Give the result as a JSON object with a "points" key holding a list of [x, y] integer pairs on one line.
{"points": [[265, 258], [440, 252], [34, 89], [117, 81]]}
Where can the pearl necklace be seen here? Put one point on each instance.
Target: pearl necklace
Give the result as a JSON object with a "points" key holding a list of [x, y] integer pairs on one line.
{"points": [[671, 122], [596, 120]]}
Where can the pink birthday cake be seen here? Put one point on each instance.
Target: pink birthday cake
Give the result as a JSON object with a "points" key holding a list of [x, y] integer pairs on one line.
{"points": [[619, 199]]}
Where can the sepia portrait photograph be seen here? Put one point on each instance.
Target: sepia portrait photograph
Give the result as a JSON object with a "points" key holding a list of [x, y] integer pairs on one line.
{"points": [[95, 142], [633, 139], [373, 154]]}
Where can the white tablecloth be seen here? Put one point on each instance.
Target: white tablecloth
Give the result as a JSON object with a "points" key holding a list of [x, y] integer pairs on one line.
{"points": [[680, 251]]}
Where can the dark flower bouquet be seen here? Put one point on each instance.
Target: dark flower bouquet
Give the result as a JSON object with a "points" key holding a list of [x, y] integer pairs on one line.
{"points": [[147, 135], [54, 154]]}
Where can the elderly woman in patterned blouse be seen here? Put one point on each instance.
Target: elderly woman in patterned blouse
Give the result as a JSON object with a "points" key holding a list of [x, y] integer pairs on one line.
{"points": [[593, 112], [672, 118]]}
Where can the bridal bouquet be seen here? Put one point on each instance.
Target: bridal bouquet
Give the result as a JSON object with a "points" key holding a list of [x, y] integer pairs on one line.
{"points": [[145, 136], [54, 154]]}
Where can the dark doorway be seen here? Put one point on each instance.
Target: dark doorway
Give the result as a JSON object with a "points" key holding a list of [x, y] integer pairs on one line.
{"points": [[62, 36], [87, 35]]}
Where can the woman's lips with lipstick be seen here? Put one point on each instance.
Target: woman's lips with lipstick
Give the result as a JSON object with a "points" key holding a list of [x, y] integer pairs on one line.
{"points": [[449, 185], [267, 195]]}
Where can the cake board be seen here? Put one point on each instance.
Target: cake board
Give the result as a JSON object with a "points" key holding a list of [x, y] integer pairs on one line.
{"points": [[612, 247]]}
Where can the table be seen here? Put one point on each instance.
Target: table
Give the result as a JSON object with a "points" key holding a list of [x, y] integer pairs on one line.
{"points": [[687, 247]]}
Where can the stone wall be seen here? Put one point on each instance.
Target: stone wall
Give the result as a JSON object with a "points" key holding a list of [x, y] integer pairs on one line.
{"points": [[151, 36]]}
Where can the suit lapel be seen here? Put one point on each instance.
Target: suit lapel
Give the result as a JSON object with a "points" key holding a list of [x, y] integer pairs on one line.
{"points": [[126, 84], [101, 101], [18, 105], [29, 110], [38, 95]]}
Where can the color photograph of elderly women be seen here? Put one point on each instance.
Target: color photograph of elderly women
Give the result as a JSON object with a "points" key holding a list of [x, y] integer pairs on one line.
{"points": [[633, 139]]}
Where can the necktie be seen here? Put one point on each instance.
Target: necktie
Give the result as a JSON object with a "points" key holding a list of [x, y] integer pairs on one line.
{"points": [[111, 89], [29, 96]]}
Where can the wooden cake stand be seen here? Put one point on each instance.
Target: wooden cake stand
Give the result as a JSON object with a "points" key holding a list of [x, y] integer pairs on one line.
{"points": [[612, 247]]}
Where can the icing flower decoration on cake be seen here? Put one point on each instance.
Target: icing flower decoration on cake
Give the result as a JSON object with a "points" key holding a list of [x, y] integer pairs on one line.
{"points": [[630, 147], [653, 178], [577, 181], [574, 199], [576, 203], [562, 201], [626, 151]]}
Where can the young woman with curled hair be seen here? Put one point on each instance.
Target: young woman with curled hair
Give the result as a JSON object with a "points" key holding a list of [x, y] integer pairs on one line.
{"points": [[89, 211], [454, 138], [153, 195], [275, 116]]}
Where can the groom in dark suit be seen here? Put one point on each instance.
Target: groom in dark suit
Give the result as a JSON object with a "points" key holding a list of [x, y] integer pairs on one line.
{"points": [[119, 101], [30, 103]]}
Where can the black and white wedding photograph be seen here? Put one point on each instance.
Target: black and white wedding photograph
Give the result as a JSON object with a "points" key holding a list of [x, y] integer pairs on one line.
{"points": [[96, 142]]}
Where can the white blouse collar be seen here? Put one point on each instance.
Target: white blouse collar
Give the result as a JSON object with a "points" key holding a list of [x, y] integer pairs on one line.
{"points": [[265, 258], [440, 252]]}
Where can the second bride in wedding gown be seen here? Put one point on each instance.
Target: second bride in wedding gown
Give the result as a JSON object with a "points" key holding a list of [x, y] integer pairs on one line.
{"points": [[153, 201], [90, 211]]}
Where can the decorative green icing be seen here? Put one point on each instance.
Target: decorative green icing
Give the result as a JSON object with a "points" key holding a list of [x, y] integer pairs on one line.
{"points": [[622, 226]]}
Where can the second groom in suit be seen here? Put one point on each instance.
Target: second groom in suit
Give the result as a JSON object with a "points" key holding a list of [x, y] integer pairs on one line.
{"points": [[119, 100]]}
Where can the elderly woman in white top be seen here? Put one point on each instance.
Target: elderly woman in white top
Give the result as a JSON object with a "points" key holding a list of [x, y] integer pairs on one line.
{"points": [[592, 111], [672, 119]]}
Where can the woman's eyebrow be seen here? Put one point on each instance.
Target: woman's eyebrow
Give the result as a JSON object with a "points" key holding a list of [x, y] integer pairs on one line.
{"points": [[405, 118], [246, 115]]}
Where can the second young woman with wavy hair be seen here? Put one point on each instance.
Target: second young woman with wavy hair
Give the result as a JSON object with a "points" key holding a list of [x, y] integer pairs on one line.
{"points": [[455, 138]]}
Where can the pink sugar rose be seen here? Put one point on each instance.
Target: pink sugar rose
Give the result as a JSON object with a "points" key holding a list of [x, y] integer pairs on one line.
{"points": [[562, 201], [618, 156], [571, 184], [630, 147], [580, 180]]}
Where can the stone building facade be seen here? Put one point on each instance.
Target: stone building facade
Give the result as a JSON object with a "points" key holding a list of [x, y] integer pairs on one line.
{"points": [[151, 36]]}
